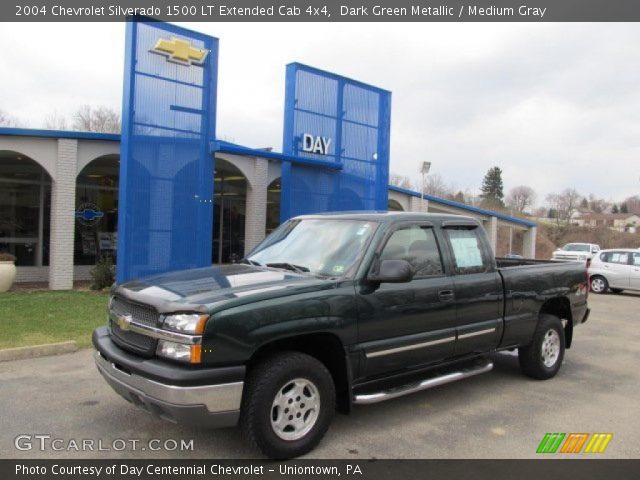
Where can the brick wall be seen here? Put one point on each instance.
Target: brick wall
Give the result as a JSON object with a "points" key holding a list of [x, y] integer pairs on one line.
{"points": [[63, 200], [256, 211]]}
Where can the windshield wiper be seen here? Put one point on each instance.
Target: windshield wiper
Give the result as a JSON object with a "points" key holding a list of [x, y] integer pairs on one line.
{"points": [[250, 262], [288, 266]]}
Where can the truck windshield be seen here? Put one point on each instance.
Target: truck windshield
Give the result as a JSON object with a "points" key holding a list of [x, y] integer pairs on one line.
{"points": [[327, 247], [575, 247]]}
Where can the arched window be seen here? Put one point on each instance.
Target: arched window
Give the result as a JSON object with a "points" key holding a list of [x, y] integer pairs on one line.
{"points": [[229, 213], [394, 206], [25, 207], [96, 210], [273, 205]]}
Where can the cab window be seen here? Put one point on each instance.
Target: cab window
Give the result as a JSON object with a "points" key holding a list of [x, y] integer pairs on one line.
{"points": [[621, 258], [636, 259], [469, 255], [417, 245]]}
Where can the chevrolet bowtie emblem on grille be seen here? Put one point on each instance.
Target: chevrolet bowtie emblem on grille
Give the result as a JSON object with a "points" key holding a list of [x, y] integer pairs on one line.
{"points": [[180, 51], [124, 321]]}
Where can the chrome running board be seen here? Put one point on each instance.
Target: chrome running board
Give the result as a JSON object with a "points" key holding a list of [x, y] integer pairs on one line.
{"points": [[368, 398]]}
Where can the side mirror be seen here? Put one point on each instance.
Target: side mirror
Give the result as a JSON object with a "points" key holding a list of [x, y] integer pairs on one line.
{"points": [[393, 271]]}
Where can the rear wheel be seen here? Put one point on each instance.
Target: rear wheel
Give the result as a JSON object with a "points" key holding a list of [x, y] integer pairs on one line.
{"points": [[599, 284], [287, 406], [543, 357]]}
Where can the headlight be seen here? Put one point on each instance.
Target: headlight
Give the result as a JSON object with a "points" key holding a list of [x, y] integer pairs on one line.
{"points": [[179, 351], [192, 323]]}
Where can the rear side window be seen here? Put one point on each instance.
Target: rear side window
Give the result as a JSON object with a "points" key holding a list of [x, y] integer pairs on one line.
{"points": [[636, 259], [469, 256], [621, 258], [417, 245]]}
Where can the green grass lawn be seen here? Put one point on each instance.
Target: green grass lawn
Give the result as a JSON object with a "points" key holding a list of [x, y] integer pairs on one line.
{"points": [[34, 318]]}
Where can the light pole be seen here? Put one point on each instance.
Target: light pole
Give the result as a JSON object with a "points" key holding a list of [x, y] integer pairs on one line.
{"points": [[426, 166]]}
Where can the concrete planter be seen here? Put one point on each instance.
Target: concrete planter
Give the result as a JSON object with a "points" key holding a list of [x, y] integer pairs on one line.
{"points": [[7, 275]]}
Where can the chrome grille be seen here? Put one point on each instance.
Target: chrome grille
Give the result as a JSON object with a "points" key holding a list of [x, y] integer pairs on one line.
{"points": [[142, 314], [133, 341], [139, 313]]}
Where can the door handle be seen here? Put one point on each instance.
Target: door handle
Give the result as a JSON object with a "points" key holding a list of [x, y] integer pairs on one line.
{"points": [[445, 295]]}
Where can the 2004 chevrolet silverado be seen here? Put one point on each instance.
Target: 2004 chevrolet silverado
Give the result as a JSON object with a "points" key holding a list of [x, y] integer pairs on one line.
{"points": [[330, 311]]}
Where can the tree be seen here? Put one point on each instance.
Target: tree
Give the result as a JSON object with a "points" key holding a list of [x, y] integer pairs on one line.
{"points": [[564, 204], [460, 197], [96, 119], [492, 187], [435, 185], [7, 120], [614, 209], [633, 204], [520, 198], [597, 205], [584, 204], [624, 208], [400, 181], [55, 121]]}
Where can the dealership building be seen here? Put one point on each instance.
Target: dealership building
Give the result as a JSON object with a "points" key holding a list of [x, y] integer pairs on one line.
{"points": [[168, 195], [59, 202]]}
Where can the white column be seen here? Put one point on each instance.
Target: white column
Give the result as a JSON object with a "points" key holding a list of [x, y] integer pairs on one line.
{"points": [[417, 204], [63, 200], [491, 225], [256, 210], [529, 243]]}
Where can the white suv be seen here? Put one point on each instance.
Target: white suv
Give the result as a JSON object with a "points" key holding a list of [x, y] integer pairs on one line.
{"points": [[576, 251], [616, 269]]}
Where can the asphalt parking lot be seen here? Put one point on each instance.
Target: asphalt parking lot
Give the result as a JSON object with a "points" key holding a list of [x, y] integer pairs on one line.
{"points": [[501, 414]]}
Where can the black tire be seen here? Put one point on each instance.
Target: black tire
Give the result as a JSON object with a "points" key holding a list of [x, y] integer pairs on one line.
{"points": [[265, 383], [616, 290], [535, 359], [598, 284]]}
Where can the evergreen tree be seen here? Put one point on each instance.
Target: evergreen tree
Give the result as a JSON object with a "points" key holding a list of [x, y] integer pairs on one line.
{"points": [[492, 188], [614, 209], [624, 208]]}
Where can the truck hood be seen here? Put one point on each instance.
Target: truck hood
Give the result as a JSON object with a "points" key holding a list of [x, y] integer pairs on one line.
{"points": [[566, 253], [201, 289]]}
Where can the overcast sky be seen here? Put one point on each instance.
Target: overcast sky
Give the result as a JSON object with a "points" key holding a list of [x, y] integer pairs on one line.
{"points": [[554, 105]]}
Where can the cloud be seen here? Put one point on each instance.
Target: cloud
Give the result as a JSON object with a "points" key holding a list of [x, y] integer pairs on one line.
{"points": [[554, 105]]}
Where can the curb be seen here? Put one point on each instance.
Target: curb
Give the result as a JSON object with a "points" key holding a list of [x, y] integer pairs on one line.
{"points": [[20, 353]]}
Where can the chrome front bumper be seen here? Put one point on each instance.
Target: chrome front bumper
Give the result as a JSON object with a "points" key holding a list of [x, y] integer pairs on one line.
{"points": [[209, 405]]}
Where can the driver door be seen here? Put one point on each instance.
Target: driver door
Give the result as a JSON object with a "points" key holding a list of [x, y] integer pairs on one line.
{"points": [[402, 325]]}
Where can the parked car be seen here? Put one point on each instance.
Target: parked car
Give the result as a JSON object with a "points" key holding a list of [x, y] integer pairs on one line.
{"points": [[615, 269], [330, 311], [582, 252]]}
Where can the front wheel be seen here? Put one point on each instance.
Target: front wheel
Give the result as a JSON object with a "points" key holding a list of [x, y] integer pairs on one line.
{"points": [[599, 284], [287, 406], [543, 357]]}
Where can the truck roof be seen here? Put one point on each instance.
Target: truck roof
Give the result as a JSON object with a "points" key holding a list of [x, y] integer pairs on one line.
{"points": [[388, 217]]}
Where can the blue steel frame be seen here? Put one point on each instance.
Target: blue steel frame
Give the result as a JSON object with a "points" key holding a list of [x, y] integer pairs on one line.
{"points": [[206, 168], [289, 145]]}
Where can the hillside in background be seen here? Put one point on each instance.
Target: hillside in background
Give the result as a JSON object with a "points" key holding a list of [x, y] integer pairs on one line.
{"points": [[551, 237]]}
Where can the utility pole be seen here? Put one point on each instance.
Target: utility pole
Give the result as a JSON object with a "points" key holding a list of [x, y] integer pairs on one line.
{"points": [[426, 166]]}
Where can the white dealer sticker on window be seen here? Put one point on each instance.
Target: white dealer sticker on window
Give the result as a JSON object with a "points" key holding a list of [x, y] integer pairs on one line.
{"points": [[466, 252]]}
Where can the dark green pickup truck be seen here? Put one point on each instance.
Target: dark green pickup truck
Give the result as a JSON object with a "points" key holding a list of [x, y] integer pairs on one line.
{"points": [[330, 311]]}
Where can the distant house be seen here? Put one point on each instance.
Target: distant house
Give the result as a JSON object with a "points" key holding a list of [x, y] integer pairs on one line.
{"points": [[622, 222]]}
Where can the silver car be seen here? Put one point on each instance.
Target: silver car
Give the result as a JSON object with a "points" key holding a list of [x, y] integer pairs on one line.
{"points": [[616, 269]]}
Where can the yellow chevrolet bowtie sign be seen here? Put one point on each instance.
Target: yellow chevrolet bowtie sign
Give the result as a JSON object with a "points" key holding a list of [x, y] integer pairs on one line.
{"points": [[180, 51]]}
